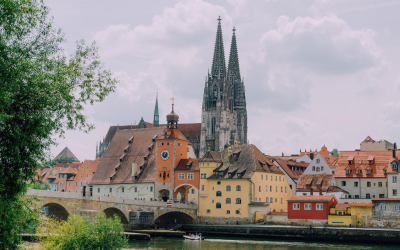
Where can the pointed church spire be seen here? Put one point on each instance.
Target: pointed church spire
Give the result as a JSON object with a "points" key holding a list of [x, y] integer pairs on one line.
{"points": [[233, 66], [156, 116], [218, 69]]}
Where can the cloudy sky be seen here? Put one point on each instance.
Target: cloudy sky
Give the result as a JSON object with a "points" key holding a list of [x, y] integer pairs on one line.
{"points": [[316, 71]]}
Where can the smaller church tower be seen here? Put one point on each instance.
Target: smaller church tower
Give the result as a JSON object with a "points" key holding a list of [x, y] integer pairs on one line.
{"points": [[171, 147], [156, 120]]}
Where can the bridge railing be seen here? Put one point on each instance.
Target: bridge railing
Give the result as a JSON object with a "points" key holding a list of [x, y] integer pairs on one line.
{"points": [[68, 195]]}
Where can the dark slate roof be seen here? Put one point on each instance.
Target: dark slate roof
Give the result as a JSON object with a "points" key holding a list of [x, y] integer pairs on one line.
{"points": [[188, 165], [246, 159], [314, 181], [190, 130], [66, 152], [142, 145]]}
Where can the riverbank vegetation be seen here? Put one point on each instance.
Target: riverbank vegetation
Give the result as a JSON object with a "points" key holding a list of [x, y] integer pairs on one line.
{"points": [[82, 233]]}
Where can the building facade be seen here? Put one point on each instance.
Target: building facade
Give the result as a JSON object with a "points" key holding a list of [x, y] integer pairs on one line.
{"points": [[224, 113], [302, 207], [370, 144]]}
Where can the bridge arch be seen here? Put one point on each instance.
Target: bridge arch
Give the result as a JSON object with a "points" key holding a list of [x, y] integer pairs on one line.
{"points": [[170, 217], [56, 211], [112, 211]]}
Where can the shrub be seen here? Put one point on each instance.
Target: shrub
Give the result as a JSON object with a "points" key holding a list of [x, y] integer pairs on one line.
{"points": [[82, 234]]}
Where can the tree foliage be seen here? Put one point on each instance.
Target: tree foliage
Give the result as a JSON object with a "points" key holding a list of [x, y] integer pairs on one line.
{"points": [[81, 233], [39, 186], [42, 92]]}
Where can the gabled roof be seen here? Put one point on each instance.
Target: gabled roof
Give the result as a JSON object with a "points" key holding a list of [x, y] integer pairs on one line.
{"points": [[246, 159], [315, 182], [66, 152], [135, 154], [69, 170], [211, 156], [188, 165], [330, 160], [380, 161], [287, 166], [368, 139], [340, 206]]}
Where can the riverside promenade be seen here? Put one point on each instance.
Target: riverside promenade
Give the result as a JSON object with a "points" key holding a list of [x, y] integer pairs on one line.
{"points": [[301, 233]]}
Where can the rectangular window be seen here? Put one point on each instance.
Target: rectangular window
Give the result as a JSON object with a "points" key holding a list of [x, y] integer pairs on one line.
{"points": [[161, 144], [382, 207], [394, 179], [262, 176], [151, 189], [179, 144], [276, 178], [276, 188], [98, 190], [81, 184], [396, 207], [394, 192], [190, 176], [259, 188], [381, 196], [356, 196], [110, 190], [320, 206], [76, 183], [266, 177], [123, 190], [281, 200], [69, 184], [181, 176], [296, 206], [266, 188], [202, 187], [285, 189], [307, 206], [281, 189], [270, 188], [368, 184], [280, 178], [203, 176], [343, 183], [379, 184], [356, 184]]}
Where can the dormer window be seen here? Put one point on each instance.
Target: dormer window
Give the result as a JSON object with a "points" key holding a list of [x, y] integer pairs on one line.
{"points": [[239, 175], [358, 171], [230, 175], [368, 171], [350, 162], [360, 162], [394, 165], [347, 171], [369, 162], [130, 140]]}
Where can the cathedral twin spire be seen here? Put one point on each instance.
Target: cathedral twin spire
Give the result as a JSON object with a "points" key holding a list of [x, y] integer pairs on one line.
{"points": [[218, 69]]}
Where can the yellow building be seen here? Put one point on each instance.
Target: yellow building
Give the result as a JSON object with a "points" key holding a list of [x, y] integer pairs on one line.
{"points": [[240, 184], [356, 214]]}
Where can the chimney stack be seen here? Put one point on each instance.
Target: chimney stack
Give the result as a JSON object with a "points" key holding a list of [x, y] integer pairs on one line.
{"points": [[311, 191], [394, 150], [283, 154], [320, 191], [312, 156]]}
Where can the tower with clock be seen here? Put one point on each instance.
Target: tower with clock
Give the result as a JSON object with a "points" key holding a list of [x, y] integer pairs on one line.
{"points": [[171, 147]]}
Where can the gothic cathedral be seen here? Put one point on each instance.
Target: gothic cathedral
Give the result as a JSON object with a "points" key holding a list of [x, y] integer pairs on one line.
{"points": [[224, 113]]}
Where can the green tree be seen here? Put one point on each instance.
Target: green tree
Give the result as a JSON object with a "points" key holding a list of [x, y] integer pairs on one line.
{"points": [[52, 163], [81, 233], [42, 93], [37, 185]]}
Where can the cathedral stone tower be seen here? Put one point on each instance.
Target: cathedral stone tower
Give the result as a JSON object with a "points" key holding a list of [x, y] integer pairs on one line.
{"points": [[224, 114]]}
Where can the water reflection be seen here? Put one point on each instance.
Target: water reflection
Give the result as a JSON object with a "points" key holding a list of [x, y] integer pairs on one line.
{"points": [[212, 243]]}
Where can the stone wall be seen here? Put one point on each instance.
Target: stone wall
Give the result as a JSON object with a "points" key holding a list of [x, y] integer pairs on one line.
{"points": [[222, 220]]}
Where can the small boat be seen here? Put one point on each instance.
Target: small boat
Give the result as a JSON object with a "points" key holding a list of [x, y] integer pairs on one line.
{"points": [[193, 237]]}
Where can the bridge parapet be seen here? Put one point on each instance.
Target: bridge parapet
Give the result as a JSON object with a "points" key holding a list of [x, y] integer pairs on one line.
{"points": [[67, 195]]}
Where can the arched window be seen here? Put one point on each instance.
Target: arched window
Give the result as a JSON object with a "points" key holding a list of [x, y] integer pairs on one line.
{"points": [[238, 201], [218, 205], [218, 183], [266, 200], [228, 188], [318, 169], [228, 200], [219, 193], [368, 196], [238, 188], [271, 200], [237, 212], [213, 122], [228, 212]]}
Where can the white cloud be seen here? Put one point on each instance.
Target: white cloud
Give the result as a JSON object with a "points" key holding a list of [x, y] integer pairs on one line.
{"points": [[321, 45]]}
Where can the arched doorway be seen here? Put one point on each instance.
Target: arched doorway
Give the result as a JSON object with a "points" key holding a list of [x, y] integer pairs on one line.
{"points": [[181, 196], [56, 211], [164, 195], [172, 217]]}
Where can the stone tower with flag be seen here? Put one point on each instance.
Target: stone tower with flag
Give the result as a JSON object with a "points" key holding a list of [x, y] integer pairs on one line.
{"points": [[224, 113]]}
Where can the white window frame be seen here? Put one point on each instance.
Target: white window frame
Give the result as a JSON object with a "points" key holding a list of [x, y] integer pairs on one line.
{"points": [[307, 206], [181, 176], [320, 206], [394, 179], [190, 176], [296, 206], [382, 207]]}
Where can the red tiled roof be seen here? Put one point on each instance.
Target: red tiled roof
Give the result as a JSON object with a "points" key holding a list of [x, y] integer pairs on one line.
{"points": [[340, 206], [139, 148], [184, 163], [330, 160], [311, 198], [69, 170], [361, 205], [288, 165], [314, 181], [380, 162]]}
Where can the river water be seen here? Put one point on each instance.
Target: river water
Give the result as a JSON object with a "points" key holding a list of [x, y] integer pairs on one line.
{"points": [[222, 243]]}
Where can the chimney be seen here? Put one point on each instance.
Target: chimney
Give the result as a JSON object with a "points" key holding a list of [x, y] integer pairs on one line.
{"points": [[394, 150], [283, 154], [312, 156], [134, 169], [320, 191], [311, 191]]}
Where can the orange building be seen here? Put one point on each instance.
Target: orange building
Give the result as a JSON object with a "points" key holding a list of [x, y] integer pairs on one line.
{"points": [[171, 148], [187, 176], [83, 176], [65, 178]]}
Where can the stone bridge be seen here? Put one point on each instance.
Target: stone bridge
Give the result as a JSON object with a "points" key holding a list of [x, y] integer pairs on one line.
{"points": [[133, 213]]}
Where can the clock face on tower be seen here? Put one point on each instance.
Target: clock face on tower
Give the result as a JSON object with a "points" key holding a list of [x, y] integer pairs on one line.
{"points": [[164, 154]]}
